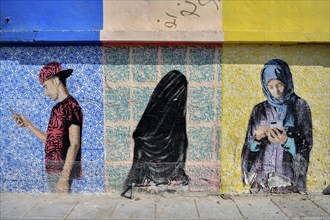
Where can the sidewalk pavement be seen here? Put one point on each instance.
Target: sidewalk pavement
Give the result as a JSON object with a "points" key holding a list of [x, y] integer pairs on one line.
{"points": [[189, 205]]}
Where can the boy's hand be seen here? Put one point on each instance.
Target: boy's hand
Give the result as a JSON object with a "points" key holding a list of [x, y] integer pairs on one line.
{"points": [[62, 186], [20, 120]]}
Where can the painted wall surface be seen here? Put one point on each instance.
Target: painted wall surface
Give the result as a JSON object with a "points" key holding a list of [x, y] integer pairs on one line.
{"points": [[131, 73], [311, 74], [176, 21], [276, 21], [21, 153], [153, 20], [114, 84], [49, 20]]}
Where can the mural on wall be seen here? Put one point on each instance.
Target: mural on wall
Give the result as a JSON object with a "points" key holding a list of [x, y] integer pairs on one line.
{"points": [[131, 74], [275, 155], [63, 137], [160, 137], [22, 155]]}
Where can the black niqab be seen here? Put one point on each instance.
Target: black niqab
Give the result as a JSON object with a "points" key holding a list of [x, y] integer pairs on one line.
{"points": [[160, 137]]}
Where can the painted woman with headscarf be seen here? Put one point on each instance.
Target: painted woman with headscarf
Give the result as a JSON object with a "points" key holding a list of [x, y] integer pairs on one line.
{"points": [[279, 137]]}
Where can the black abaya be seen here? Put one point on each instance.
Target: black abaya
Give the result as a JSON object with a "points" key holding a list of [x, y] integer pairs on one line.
{"points": [[160, 137]]}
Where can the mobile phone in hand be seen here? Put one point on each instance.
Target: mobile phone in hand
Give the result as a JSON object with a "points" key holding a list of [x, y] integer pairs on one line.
{"points": [[16, 117], [277, 124]]}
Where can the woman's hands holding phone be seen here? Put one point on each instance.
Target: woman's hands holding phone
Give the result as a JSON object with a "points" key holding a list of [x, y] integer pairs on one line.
{"points": [[277, 136]]}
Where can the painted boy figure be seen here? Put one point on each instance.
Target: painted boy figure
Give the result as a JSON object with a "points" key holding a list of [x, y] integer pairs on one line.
{"points": [[63, 137]]}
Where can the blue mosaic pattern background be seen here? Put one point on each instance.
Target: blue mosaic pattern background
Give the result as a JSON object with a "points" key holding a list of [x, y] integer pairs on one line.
{"points": [[21, 153], [138, 70]]}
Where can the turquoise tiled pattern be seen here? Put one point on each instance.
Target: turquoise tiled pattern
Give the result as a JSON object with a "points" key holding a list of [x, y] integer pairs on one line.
{"points": [[116, 175], [218, 104], [202, 61], [200, 143], [173, 58], [118, 138], [140, 101], [21, 153], [117, 67], [117, 104], [131, 74], [201, 104], [144, 64]]}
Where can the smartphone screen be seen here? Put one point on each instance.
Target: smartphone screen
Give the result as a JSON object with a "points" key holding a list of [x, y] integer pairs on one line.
{"points": [[277, 124]]}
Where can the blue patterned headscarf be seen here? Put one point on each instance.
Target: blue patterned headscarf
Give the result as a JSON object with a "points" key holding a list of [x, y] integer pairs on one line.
{"points": [[279, 69]]}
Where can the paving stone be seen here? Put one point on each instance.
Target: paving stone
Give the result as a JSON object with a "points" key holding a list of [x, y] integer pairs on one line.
{"points": [[131, 209], [15, 205], [52, 207], [258, 207], [312, 218], [298, 206], [322, 201], [176, 208], [217, 208], [162, 206], [93, 208]]}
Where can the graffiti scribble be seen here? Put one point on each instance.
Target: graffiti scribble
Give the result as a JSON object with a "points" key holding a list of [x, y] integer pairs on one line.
{"points": [[188, 12], [203, 4], [171, 24]]}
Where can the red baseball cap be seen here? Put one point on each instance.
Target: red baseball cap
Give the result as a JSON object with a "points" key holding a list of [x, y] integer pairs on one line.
{"points": [[53, 69]]}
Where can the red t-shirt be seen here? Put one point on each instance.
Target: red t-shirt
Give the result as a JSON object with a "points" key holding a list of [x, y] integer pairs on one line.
{"points": [[63, 115]]}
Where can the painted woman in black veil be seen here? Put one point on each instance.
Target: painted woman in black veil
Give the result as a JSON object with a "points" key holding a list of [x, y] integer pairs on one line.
{"points": [[160, 137]]}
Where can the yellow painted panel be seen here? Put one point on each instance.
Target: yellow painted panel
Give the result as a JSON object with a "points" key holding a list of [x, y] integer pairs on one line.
{"points": [[276, 21], [241, 91]]}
